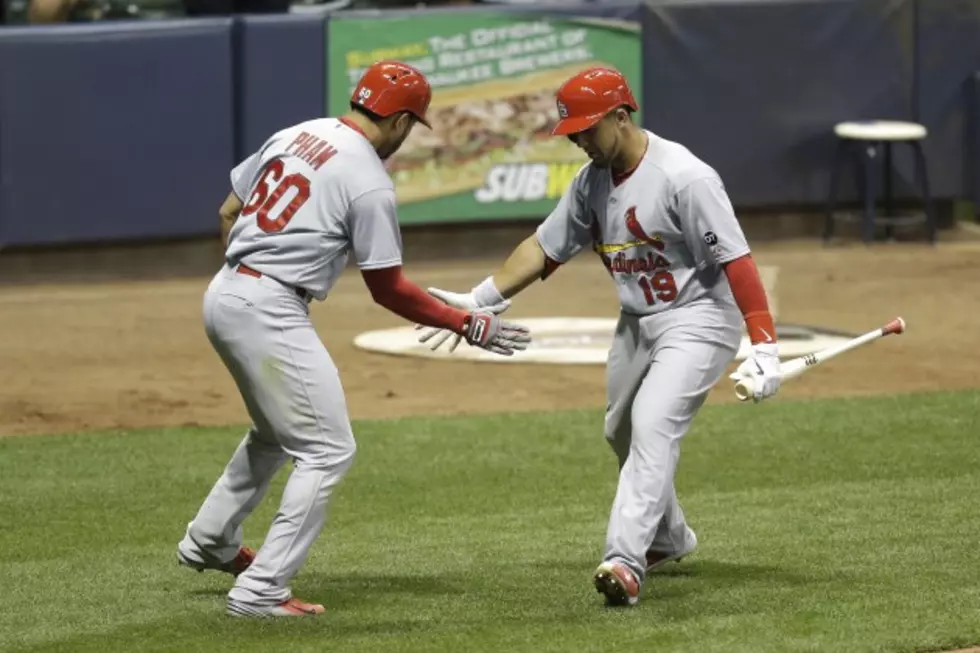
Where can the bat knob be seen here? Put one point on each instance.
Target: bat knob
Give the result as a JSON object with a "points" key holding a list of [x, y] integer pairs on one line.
{"points": [[744, 388]]}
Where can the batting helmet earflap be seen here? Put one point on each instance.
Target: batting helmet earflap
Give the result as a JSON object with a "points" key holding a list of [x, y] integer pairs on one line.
{"points": [[588, 96], [388, 87]]}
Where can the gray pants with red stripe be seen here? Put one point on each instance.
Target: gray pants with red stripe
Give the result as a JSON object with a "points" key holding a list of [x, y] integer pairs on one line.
{"points": [[292, 391], [659, 372]]}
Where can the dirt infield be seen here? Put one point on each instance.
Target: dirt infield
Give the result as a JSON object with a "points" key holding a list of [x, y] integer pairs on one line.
{"points": [[107, 355]]}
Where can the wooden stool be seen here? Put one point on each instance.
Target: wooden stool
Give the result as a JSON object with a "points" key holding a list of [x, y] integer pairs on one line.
{"points": [[867, 140]]}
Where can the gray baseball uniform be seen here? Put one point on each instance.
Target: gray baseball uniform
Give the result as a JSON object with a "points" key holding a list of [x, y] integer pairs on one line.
{"points": [[311, 194], [663, 234]]}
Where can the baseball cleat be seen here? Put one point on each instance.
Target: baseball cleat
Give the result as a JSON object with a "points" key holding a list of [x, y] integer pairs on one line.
{"points": [[290, 608], [235, 566], [618, 583], [657, 559]]}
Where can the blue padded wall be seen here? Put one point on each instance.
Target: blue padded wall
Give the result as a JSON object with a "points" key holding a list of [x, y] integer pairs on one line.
{"points": [[281, 75], [114, 131]]}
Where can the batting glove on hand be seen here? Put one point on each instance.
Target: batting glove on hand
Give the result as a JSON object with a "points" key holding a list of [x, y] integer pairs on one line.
{"points": [[762, 366], [465, 301], [485, 329]]}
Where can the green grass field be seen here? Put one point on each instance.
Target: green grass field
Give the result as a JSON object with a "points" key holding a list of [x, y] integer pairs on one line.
{"points": [[825, 526]]}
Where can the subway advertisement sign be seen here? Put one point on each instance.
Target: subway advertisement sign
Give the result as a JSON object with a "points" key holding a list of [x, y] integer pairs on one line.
{"points": [[490, 153]]}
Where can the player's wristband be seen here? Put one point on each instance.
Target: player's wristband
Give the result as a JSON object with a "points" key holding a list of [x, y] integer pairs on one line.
{"points": [[760, 327], [486, 293]]}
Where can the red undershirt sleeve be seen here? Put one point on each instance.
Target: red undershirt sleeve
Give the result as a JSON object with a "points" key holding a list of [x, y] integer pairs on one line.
{"points": [[750, 295], [392, 290]]}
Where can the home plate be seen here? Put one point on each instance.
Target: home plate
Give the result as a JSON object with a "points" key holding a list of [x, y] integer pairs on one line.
{"points": [[573, 341]]}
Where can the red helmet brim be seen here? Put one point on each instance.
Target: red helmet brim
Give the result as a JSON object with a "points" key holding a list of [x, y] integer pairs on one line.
{"points": [[574, 125]]}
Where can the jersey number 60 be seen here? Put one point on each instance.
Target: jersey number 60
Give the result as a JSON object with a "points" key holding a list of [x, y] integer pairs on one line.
{"points": [[262, 202]]}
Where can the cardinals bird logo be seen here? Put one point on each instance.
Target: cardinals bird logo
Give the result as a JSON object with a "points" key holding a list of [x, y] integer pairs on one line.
{"points": [[633, 226], [634, 229]]}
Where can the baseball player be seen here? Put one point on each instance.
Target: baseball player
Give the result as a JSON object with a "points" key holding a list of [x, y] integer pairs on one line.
{"points": [[312, 194], [661, 223]]}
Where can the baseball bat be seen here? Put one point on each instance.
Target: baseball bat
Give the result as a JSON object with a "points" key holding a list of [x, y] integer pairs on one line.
{"points": [[745, 386]]}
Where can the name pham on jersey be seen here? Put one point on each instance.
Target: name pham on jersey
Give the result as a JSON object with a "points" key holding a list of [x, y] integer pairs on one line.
{"points": [[312, 149]]}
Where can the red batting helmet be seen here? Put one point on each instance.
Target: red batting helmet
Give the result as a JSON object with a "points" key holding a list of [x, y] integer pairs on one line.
{"points": [[388, 87], [588, 96]]}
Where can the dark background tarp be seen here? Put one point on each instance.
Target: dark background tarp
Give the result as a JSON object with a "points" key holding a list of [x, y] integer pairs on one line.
{"points": [[949, 55], [755, 88]]}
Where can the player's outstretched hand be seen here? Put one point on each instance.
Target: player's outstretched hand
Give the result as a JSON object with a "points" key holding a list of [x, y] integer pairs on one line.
{"points": [[487, 330], [465, 301], [763, 366]]}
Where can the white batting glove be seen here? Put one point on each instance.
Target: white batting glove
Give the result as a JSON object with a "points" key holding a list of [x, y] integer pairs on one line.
{"points": [[762, 365], [485, 292]]}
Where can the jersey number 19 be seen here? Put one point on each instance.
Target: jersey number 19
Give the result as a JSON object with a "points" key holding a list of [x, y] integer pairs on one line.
{"points": [[262, 202], [659, 286]]}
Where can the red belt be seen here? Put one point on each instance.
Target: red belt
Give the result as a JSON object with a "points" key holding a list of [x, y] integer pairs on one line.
{"points": [[244, 269]]}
